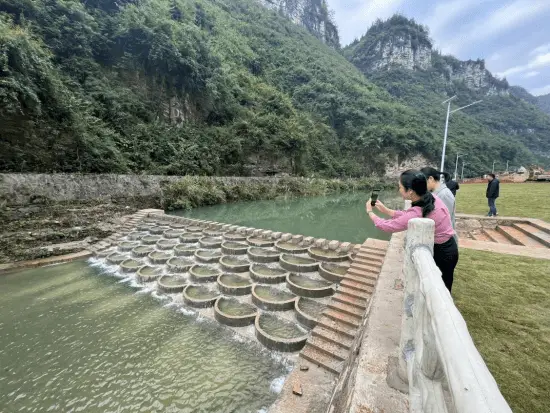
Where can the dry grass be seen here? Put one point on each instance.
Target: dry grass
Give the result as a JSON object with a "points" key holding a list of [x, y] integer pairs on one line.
{"points": [[530, 200], [506, 303]]}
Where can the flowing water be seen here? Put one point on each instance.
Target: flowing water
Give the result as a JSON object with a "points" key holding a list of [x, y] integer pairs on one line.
{"points": [[234, 307], [279, 327], [341, 217], [73, 339]]}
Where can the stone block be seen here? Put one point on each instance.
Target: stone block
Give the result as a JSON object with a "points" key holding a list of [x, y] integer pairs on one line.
{"points": [[256, 232], [297, 238], [308, 240], [286, 237], [250, 231], [333, 245], [345, 246], [276, 235], [266, 233], [320, 242]]}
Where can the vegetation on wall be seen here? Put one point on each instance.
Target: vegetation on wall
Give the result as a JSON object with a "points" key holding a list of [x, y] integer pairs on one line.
{"points": [[191, 192]]}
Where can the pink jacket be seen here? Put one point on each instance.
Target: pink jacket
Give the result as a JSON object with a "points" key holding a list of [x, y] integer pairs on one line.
{"points": [[443, 226]]}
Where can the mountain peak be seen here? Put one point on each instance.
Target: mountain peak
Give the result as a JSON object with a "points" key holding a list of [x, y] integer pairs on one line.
{"points": [[402, 43]]}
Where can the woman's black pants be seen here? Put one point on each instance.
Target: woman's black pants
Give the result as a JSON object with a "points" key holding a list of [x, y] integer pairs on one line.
{"points": [[446, 258]]}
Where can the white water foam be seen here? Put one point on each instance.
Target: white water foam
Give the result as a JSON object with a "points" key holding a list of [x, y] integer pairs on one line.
{"points": [[187, 311], [277, 384]]}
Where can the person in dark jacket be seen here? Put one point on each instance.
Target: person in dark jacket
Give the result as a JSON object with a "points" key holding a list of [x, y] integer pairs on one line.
{"points": [[453, 186], [493, 189]]}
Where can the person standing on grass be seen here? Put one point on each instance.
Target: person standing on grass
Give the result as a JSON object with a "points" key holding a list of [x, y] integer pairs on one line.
{"points": [[493, 192], [413, 186], [436, 187]]}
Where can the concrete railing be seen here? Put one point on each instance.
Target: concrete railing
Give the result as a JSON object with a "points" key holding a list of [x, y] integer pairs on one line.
{"points": [[438, 359]]}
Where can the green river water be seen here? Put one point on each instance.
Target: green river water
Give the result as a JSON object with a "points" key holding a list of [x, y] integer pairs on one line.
{"points": [[73, 339], [341, 217]]}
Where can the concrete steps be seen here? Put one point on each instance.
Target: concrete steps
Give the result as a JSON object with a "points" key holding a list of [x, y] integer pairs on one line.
{"points": [[322, 359], [517, 237], [535, 233], [332, 338], [496, 236], [337, 327], [357, 286], [481, 237], [525, 234], [328, 347], [360, 303]]}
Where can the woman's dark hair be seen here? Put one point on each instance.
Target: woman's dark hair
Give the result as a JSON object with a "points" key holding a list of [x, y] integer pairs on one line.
{"points": [[416, 181], [435, 174]]}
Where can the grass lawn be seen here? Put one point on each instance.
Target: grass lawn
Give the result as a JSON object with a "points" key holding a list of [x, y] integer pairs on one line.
{"points": [[505, 301], [530, 200]]}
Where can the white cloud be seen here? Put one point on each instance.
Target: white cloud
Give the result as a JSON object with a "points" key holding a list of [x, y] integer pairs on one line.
{"points": [[361, 15], [494, 57], [540, 61], [501, 20], [541, 49], [531, 74], [445, 13], [541, 90]]}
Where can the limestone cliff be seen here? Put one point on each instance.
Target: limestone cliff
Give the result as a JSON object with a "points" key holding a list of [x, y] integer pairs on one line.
{"points": [[472, 73], [401, 43], [314, 15]]}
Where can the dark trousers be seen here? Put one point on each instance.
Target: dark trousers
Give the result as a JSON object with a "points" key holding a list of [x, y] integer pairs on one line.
{"points": [[492, 206], [446, 258]]}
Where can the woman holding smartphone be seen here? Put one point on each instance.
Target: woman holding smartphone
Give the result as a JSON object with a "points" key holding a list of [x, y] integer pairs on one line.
{"points": [[414, 187]]}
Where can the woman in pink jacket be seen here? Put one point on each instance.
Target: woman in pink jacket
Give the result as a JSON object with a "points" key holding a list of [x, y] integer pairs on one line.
{"points": [[413, 186]]}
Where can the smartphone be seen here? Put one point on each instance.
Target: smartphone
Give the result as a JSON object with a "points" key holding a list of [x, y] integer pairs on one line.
{"points": [[374, 196]]}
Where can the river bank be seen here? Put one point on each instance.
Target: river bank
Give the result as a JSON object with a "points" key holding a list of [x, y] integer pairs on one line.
{"points": [[44, 215]]}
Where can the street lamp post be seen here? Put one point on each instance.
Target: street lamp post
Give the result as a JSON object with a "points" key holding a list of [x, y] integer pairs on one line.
{"points": [[462, 174], [494, 162], [507, 166], [456, 163], [449, 112]]}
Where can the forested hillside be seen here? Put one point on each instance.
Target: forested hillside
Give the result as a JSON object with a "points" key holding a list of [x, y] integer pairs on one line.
{"points": [[203, 87], [544, 102], [397, 55]]}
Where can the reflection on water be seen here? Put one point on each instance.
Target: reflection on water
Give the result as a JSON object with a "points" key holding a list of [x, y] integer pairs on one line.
{"points": [[341, 217], [74, 340]]}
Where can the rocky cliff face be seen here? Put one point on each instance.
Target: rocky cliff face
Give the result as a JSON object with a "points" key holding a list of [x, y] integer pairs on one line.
{"points": [[473, 74], [314, 15], [401, 43], [400, 52]]}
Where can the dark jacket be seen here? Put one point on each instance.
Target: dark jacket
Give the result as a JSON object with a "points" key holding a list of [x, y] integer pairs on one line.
{"points": [[493, 189], [453, 186]]}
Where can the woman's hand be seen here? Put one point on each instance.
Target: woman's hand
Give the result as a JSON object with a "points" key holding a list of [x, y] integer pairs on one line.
{"points": [[381, 207], [368, 206], [384, 209]]}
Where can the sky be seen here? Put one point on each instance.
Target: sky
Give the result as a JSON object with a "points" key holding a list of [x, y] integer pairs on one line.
{"points": [[513, 36]]}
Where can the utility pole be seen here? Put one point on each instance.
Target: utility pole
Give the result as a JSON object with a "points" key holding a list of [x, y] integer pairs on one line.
{"points": [[507, 166], [456, 163], [462, 174], [449, 112], [494, 162]]}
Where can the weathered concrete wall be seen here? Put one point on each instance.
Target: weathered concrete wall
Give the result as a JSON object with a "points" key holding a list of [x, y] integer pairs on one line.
{"points": [[24, 189], [21, 189]]}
